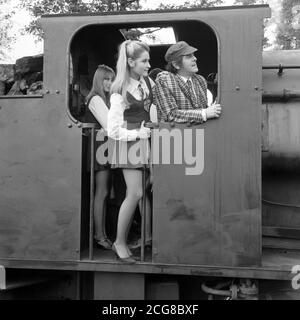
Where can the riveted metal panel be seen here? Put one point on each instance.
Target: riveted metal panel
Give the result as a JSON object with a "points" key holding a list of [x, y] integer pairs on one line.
{"points": [[119, 286], [40, 177], [215, 217]]}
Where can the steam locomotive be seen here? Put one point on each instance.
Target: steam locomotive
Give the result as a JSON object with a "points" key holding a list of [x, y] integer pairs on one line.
{"points": [[238, 219]]}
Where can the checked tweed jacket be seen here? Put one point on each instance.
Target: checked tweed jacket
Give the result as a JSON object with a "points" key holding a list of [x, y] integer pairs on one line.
{"points": [[174, 100]]}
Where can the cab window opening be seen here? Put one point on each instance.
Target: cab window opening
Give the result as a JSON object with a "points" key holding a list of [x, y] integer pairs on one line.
{"points": [[86, 55]]}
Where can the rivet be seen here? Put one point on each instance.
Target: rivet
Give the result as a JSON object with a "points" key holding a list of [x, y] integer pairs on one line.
{"points": [[237, 88], [79, 125], [70, 125], [172, 124], [57, 91], [256, 88]]}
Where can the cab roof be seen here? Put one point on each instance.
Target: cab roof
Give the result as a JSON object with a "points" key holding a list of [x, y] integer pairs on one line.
{"points": [[82, 14]]}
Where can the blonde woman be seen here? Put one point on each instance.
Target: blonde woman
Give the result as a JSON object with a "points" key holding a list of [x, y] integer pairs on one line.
{"points": [[131, 100], [98, 102]]}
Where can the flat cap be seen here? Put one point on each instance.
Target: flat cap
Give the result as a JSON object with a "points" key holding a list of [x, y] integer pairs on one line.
{"points": [[178, 49]]}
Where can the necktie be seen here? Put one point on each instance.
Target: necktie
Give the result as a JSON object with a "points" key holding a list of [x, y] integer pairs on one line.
{"points": [[146, 101], [141, 91], [192, 93]]}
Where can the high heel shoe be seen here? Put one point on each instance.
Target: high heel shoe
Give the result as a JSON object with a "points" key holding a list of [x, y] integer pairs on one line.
{"points": [[125, 259]]}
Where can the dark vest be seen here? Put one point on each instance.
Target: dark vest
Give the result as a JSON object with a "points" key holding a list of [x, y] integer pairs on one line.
{"points": [[138, 110]]}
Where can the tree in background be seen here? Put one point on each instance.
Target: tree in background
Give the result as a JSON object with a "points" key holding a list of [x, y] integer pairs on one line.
{"points": [[249, 2], [41, 7], [288, 30], [6, 24], [191, 4]]}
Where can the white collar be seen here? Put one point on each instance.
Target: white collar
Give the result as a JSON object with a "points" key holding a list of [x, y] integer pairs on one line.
{"points": [[134, 83], [185, 80]]}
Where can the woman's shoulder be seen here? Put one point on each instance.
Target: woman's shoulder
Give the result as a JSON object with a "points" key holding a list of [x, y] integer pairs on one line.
{"points": [[116, 96], [117, 99], [95, 101], [96, 98]]}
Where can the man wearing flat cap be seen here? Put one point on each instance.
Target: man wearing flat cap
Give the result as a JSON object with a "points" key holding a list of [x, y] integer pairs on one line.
{"points": [[181, 93]]}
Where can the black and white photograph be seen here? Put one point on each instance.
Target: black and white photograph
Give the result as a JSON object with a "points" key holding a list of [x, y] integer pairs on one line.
{"points": [[149, 151]]}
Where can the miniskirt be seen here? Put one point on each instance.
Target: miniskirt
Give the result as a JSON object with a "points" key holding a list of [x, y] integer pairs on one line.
{"points": [[129, 154]]}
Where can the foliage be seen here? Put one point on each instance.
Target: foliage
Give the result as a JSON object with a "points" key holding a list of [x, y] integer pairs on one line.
{"points": [[192, 4], [42, 7], [288, 30], [6, 36], [249, 2], [135, 34]]}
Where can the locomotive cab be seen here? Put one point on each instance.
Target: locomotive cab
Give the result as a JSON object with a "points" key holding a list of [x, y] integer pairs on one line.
{"points": [[214, 215]]}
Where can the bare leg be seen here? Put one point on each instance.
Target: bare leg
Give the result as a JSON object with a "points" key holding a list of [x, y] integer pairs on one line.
{"points": [[102, 185], [133, 179]]}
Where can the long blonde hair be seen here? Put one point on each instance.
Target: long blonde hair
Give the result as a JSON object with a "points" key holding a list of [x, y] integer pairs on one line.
{"points": [[97, 88], [128, 49]]}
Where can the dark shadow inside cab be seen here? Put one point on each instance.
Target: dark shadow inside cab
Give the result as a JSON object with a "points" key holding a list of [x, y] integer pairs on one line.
{"points": [[98, 44]]}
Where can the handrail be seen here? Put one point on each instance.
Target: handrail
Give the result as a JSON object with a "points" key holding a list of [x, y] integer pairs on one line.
{"points": [[143, 214], [280, 68], [92, 198]]}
